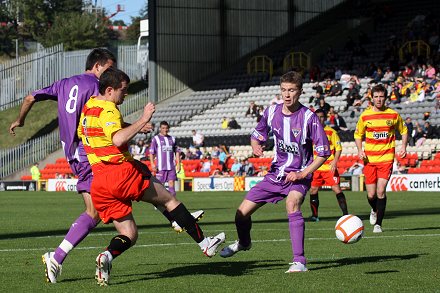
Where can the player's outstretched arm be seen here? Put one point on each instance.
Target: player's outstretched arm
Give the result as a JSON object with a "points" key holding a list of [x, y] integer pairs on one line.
{"points": [[257, 148], [361, 153], [124, 135], [402, 152], [26, 106]]}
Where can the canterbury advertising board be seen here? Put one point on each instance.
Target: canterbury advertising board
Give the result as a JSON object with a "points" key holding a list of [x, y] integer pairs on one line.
{"points": [[61, 184], [250, 182], [213, 184], [414, 182]]}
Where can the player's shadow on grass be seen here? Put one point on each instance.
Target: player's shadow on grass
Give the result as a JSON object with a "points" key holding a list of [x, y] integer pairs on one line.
{"points": [[328, 264], [109, 228], [229, 269]]}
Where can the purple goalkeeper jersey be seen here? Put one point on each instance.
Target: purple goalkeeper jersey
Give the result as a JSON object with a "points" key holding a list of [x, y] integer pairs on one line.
{"points": [[294, 138], [164, 148], [71, 94]]}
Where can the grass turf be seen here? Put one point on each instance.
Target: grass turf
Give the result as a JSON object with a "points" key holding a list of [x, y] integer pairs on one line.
{"points": [[403, 258]]}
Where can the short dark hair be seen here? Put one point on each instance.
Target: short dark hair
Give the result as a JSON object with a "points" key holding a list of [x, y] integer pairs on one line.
{"points": [[292, 77], [112, 77], [380, 88], [102, 56], [164, 123], [320, 111]]}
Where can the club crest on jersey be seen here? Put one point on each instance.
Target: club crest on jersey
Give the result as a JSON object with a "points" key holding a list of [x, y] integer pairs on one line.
{"points": [[296, 131], [389, 123]]}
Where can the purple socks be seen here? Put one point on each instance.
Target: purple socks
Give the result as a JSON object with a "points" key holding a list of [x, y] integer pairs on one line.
{"points": [[296, 228], [77, 232]]}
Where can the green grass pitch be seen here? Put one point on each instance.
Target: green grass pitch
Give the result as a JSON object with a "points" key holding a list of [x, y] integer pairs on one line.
{"points": [[405, 258]]}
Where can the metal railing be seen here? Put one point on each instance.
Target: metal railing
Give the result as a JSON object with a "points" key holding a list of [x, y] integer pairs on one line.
{"points": [[17, 158], [34, 71]]}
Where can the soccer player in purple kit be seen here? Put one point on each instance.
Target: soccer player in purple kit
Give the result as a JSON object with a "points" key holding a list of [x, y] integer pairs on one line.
{"points": [[297, 132], [71, 94], [163, 148]]}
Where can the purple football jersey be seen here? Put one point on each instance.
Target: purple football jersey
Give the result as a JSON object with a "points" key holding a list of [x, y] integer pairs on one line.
{"points": [[71, 94], [164, 148], [294, 137]]}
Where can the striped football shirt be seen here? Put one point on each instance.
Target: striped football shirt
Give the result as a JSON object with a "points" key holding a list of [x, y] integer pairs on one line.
{"points": [[379, 129]]}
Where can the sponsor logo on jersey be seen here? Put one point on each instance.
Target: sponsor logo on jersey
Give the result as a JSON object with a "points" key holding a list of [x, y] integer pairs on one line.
{"points": [[293, 148], [380, 135]]}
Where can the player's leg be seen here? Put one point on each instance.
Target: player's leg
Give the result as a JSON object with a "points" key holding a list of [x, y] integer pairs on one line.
{"points": [[171, 187], [381, 203], [79, 229], [158, 195], [314, 203], [243, 224], [340, 197], [127, 237], [370, 172], [296, 227]]}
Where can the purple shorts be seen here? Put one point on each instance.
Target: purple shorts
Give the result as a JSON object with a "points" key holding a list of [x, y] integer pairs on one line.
{"points": [[273, 191], [166, 175], [84, 172]]}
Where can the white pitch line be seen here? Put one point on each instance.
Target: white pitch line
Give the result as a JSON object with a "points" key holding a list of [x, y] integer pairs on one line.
{"points": [[171, 231], [192, 243]]}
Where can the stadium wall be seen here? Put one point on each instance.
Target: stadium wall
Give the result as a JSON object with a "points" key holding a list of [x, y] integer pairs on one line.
{"points": [[207, 36]]}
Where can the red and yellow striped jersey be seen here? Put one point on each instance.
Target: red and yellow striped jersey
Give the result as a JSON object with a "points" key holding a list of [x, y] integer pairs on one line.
{"points": [[379, 129], [98, 122], [335, 145]]}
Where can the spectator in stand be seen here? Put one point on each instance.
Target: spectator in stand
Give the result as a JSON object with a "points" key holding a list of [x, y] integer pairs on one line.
{"points": [[197, 138], [206, 165], [377, 75], [252, 110], [233, 124], [247, 169], [198, 153], [352, 95], [331, 117], [315, 98], [276, 100], [410, 126], [327, 87], [336, 89], [430, 72], [340, 124], [215, 152], [419, 136], [260, 113], [429, 130], [323, 105], [58, 176], [394, 95], [223, 157], [345, 80], [388, 76], [139, 150], [318, 88], [356, 169], [420, 71], [235, 168], [408, 72], [435, 94], [225, 122], [35, 172]]}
